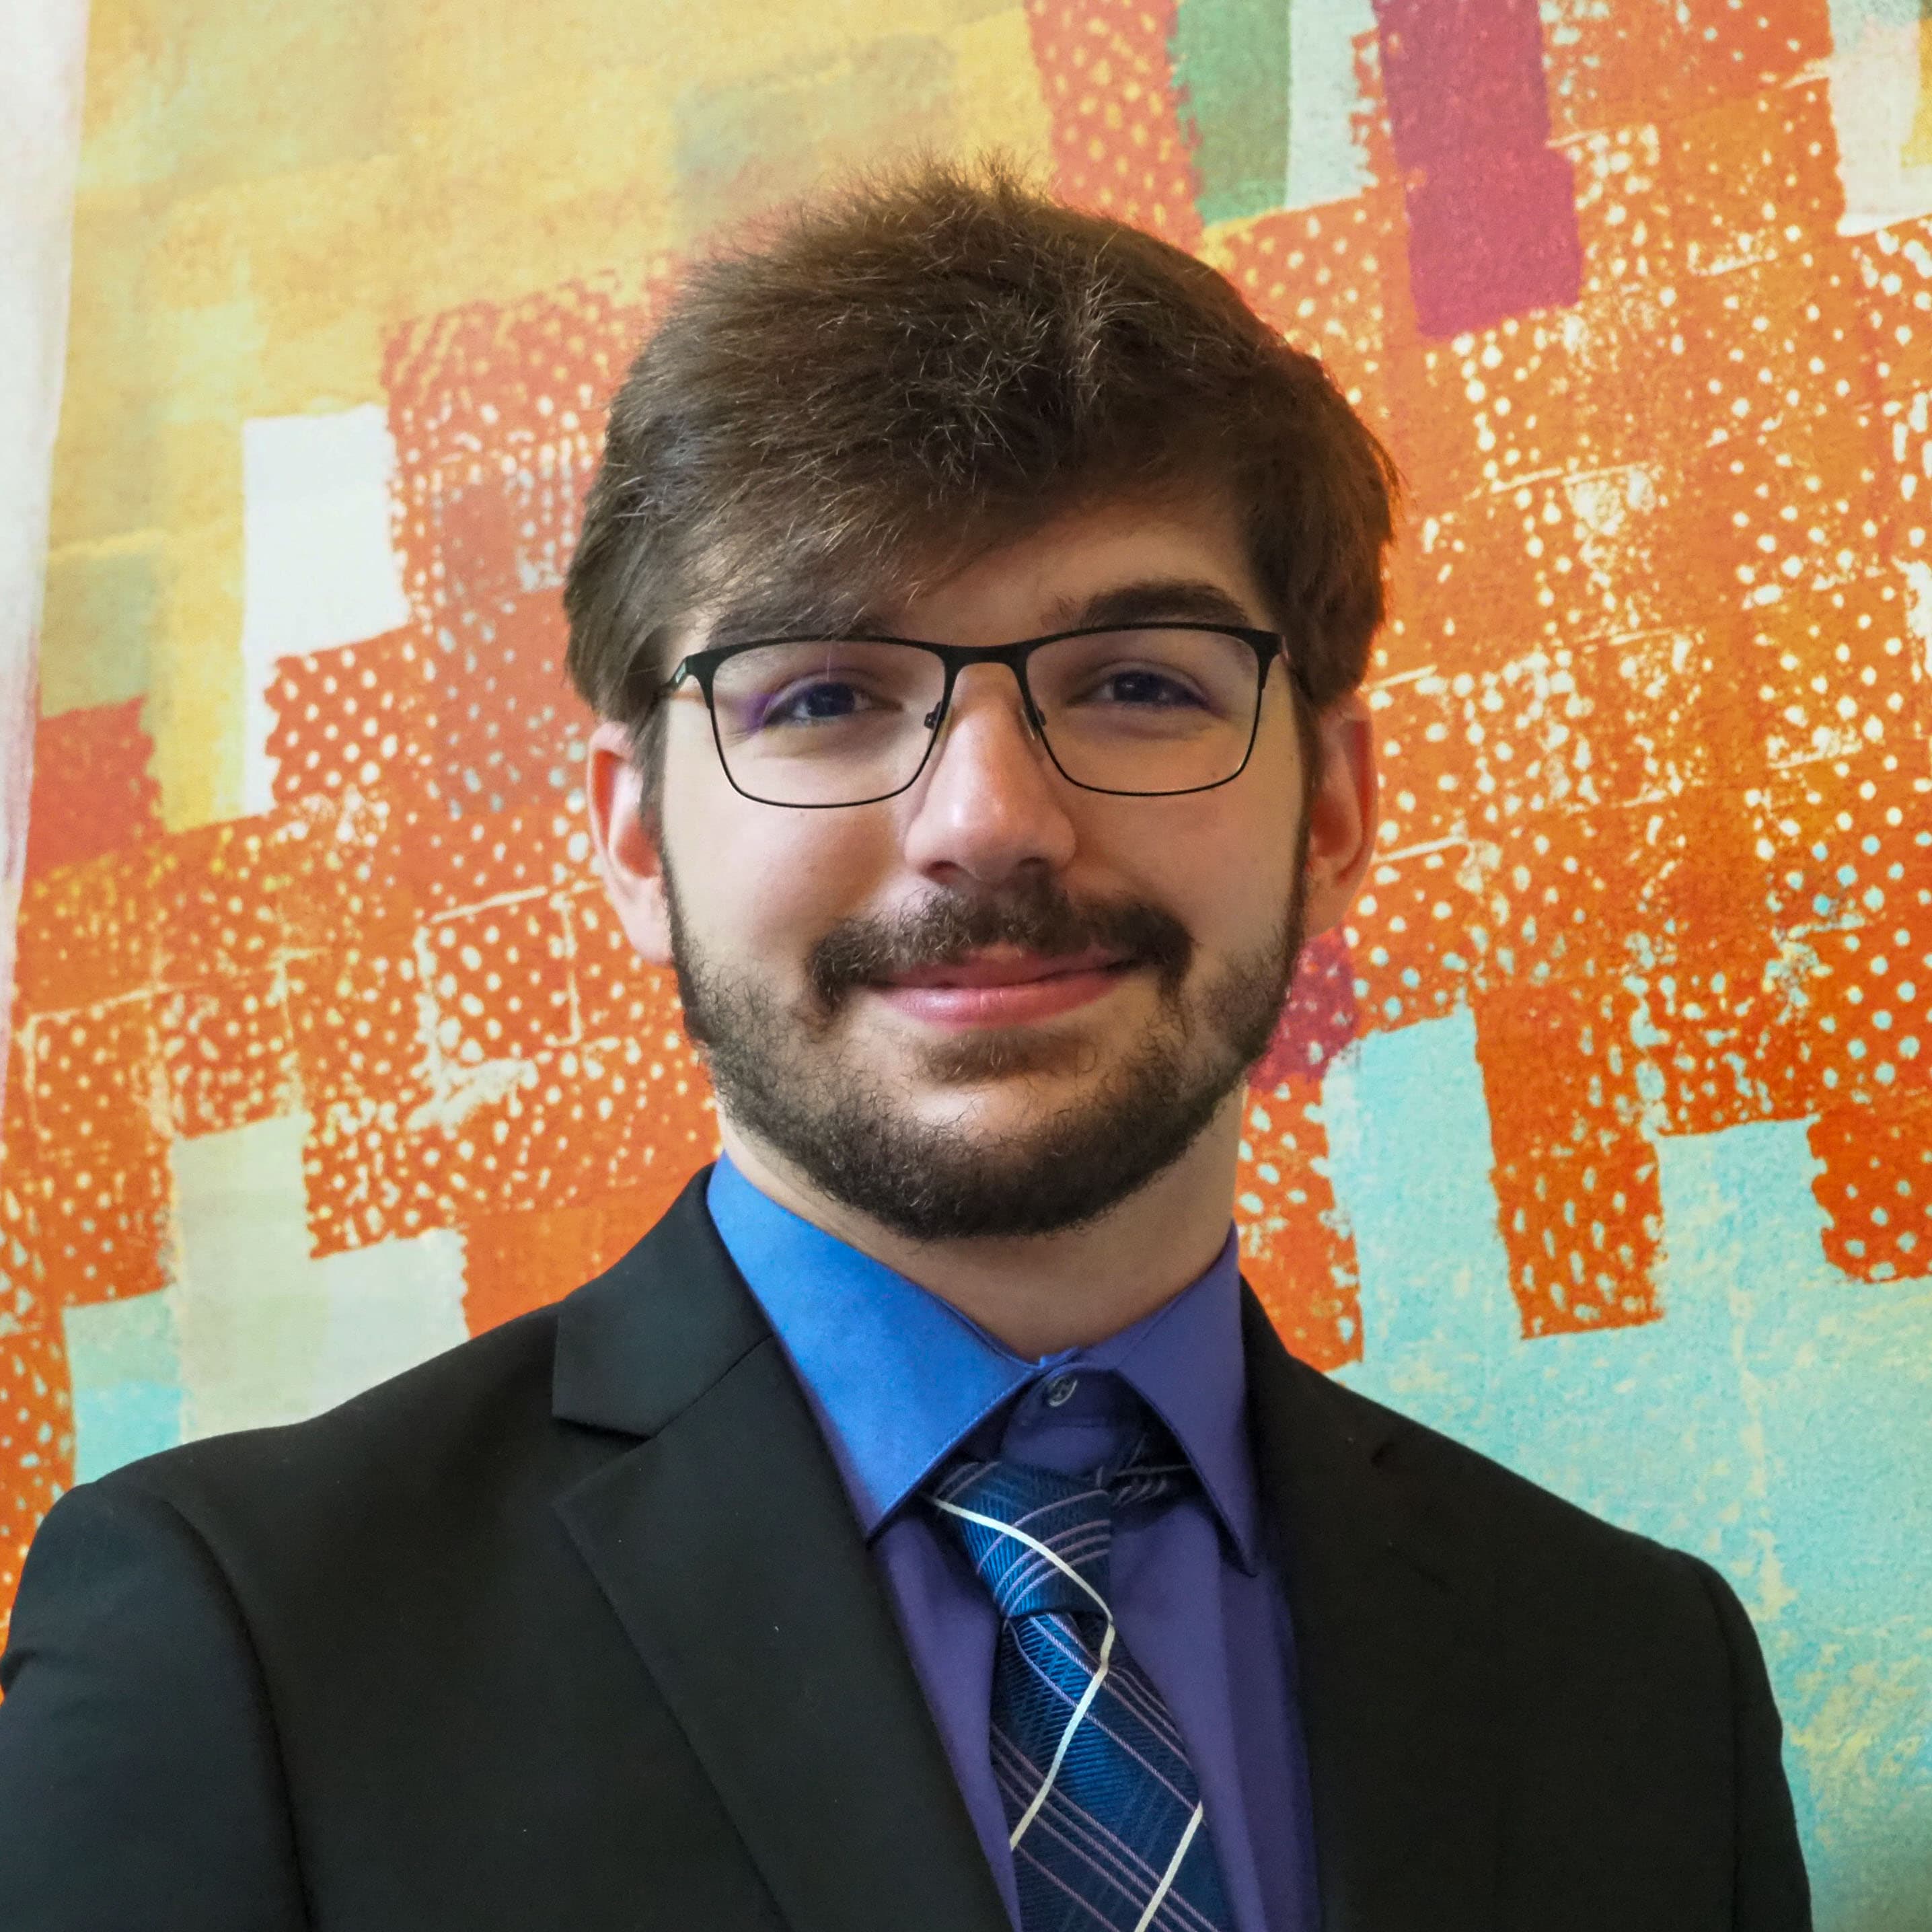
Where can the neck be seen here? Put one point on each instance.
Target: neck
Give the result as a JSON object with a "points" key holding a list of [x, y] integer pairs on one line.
{"points": [[1039, 1293]]}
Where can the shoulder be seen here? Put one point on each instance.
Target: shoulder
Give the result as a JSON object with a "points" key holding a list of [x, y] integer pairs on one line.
{"points": [[1617, 1663], [439, 1441], [462, 1459], [1551, 1559], [179, 1546], [1623, 1675]]}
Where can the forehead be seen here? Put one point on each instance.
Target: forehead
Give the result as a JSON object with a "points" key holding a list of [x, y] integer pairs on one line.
{"points": [[1119, 561], [1109, 562]]}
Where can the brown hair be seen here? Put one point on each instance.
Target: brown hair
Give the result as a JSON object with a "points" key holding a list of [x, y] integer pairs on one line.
{"points": [[910, 372]]}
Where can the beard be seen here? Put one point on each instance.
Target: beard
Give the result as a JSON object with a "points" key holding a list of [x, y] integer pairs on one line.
{"points": [[781, 1074]]}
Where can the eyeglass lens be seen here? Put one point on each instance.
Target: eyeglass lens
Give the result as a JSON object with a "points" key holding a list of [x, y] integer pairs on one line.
{"points": [[833, 722]]}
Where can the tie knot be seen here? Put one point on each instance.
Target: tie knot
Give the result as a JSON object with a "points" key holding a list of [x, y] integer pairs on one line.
{"points": [[1039, 1540]]}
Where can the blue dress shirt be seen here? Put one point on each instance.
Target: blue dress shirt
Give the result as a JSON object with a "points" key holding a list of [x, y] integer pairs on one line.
{"points": [[900, 1380]]}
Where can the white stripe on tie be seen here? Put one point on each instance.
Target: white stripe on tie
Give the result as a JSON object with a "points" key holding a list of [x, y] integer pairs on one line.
{"points": [[1033, 1543], [1080, 1710], [1172, 1872], [1093, 1683]]}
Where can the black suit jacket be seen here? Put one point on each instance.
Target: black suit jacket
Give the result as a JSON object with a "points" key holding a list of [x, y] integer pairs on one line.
{"points": [[573, 1628]]}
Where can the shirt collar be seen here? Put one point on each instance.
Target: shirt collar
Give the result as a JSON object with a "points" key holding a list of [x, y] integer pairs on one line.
{"points": [[898, 1378]]}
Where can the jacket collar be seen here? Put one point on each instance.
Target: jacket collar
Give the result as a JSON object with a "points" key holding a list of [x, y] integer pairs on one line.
{"points": [[636, 1346], [1391, 1603], [724, 1543]]}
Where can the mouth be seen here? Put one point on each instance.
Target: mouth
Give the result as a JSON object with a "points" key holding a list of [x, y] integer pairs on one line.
{"points": [[1003, 987], [1005, 966]]}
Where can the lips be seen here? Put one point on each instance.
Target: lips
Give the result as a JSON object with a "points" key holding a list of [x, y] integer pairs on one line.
{"points": [[1005, 969]]}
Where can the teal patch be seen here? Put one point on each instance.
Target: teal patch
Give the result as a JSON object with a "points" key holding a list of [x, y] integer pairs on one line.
{"points": [[1230, 74], [125, 1367]]}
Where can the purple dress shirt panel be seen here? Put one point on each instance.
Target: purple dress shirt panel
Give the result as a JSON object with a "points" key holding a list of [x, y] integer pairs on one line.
{"points": [[900, 1382]]}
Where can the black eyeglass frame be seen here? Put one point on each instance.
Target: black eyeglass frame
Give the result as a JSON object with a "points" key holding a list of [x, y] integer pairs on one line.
{"points": [[701, 667]]}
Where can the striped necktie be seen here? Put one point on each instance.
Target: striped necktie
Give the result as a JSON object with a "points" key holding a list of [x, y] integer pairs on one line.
{"points": [[1105, 1813]]}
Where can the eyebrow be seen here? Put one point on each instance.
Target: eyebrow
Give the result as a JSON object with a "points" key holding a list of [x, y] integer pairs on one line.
{"points": [[786, 616], [1152, 600], [1143, 601]]}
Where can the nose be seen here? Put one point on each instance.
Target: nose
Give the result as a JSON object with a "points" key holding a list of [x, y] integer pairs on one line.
{"points": [[990, 803]]}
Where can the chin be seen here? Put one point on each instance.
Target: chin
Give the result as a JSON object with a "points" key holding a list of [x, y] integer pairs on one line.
{"points": [[979, 1066]]}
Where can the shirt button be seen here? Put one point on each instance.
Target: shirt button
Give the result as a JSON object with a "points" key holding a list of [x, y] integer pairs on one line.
{"points": [[1060, 1389]]}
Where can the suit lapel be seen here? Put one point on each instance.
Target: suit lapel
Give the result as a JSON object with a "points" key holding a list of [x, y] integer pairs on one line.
{"points": [[726, 1544], [1391, 1609]]}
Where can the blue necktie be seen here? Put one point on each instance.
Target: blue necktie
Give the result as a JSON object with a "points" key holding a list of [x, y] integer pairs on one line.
{"points": [[1105, 1813]]}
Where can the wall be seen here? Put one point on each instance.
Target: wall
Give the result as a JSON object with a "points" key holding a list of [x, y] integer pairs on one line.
{"points": [[1603, 1138]]}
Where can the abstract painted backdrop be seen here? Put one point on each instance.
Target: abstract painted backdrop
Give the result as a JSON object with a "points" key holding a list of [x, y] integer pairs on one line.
{"points": [[1602, 1138]]}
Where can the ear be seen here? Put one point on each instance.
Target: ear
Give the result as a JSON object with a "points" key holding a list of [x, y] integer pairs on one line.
{"points": [[626, 839], [1342, 815]]}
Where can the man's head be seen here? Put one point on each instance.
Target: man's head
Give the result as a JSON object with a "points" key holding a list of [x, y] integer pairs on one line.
{"points": [[942, 408]]}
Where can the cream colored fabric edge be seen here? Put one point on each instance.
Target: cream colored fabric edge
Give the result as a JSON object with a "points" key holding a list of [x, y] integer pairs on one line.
{"points": [[43, 53]]}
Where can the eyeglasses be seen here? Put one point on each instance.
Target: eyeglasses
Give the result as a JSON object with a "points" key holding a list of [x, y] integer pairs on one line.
{"points": [[1147, 710]]}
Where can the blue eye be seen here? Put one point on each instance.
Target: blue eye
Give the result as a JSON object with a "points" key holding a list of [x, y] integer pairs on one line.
{"points": [[804, 697], [1147, 688], [824, 702]]}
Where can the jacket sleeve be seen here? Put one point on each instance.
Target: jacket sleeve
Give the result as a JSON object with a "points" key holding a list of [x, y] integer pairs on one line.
{"points": [[140, 1786], [1771, 1892]]}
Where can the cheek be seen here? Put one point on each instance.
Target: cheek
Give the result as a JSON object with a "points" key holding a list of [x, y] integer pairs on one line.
{"points": [[1233, 885], [763, 885], [1222, 861], [1203, 870]]}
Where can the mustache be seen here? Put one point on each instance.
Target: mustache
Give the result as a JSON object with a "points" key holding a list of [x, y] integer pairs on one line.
{"points": [[945, 927]]}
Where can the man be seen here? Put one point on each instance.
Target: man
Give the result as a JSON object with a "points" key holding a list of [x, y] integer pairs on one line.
{"points": [[921, 1528]]}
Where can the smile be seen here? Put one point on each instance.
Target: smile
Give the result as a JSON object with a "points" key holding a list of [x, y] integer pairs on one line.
{"points": [[1003, 989]]}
